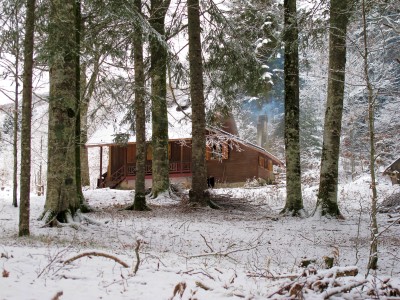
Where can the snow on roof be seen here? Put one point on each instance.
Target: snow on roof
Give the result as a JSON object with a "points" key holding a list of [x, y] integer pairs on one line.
{"points": [[249, 144]]}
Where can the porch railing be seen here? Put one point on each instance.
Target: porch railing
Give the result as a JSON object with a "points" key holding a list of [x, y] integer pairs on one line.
{"points": [[174, 168]]}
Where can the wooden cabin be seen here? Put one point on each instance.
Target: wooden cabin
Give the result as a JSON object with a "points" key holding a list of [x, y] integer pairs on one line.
{"points": [[393, 171], [229, 158]]}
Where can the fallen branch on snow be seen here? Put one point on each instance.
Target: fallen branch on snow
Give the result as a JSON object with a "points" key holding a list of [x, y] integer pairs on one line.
{"points": [[116, 259], [222, 253], [343, 289]]}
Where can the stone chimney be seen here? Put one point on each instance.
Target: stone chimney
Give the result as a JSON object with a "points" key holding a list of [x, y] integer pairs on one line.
{"points": [[262, 130]]}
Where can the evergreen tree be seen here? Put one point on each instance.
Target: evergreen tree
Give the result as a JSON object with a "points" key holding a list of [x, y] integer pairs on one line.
{"points": [[62, 199], [199, 179], [158, 72], [140, 116], [327, 194], [294, 201], [25, 179]]}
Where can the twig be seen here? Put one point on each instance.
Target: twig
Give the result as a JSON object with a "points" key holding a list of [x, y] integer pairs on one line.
{"points": [[58, 254], [220, 253], [281, 289], [289, 276], [125, 265], [137, 257], [208, 245]]}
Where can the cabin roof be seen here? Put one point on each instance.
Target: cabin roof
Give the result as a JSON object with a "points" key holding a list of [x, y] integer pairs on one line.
{"points": [[247, 143], [389, 168]]}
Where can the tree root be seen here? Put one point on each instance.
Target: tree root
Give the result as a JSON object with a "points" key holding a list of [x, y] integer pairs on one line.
{"points": [[66, 219], [116, 259], [132, 207]]}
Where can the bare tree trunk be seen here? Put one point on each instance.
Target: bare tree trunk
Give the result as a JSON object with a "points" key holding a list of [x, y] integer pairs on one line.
{"points": [[158, 69], [16, 109], [25, 179], [327, 194], [62, 199], [199, 178], [373, 256], [294, 201], [139, 202], [84, 108]]}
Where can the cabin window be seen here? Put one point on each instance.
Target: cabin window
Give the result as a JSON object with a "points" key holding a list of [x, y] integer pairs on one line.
{"points": [[261, 161], [270, 166], [218, 151], [208, 153], [130, 155]]}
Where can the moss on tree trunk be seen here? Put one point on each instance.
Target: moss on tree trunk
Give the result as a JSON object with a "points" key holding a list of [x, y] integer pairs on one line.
{"points": [[294, 201], [139, 201], [199, 167], [327, 194], [62, 198], [158, 69], [26, 121]]}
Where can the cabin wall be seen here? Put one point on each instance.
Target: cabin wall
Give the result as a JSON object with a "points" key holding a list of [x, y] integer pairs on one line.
{"points": [[239, 166], [394, 172], [117, 158]]}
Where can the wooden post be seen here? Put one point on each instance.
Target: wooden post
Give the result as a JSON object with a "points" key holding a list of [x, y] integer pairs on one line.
{"points": [[101, 161], [181, 157]]}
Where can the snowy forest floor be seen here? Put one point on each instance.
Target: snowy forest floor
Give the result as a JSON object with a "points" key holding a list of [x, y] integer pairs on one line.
{"points": [[245, 250]]}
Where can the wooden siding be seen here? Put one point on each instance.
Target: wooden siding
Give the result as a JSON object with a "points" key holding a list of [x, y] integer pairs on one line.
{"points": [[393, 171], [240, 166], [117, 158], [234, 165]]}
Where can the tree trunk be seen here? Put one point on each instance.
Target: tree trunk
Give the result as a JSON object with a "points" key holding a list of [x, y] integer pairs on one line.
{"points": [[160, 162], [373, 256], [15, 133], [16, 109], [139, 202], [199, 167], [327, 194], [294, 202], [84, 108], [25, 179], [62, 199], [78, 104]]}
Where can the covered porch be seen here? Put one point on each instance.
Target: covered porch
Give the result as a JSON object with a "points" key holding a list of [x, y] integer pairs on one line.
{"points": [[122, 162]]}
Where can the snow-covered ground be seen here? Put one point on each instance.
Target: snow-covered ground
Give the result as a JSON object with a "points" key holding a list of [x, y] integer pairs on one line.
{"points": [[245, 250]]}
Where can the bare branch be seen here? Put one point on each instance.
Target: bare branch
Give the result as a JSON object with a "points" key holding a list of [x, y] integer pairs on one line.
{"points": [[116, 259]]}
